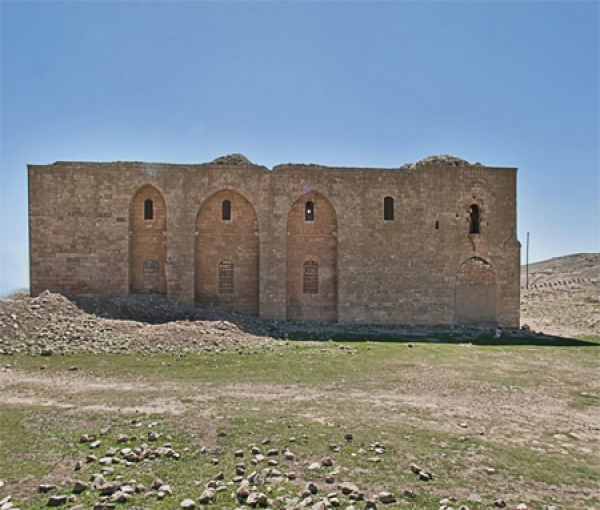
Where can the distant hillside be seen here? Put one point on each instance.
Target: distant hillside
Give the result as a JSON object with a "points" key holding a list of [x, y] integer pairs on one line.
{"points": [[564, 269], [563, 297]]}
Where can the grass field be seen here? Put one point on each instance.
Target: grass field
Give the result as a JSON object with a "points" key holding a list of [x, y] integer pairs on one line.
{"points": [[491, 418]]}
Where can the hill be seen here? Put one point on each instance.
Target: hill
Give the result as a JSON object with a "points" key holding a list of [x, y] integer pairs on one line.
{"points": [[562, 298], [569, 267]]}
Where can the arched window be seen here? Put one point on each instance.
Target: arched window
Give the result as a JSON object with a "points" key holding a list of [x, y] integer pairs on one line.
{"points": [[310, 278], [309, 211], [226, 277], [148, 209], [388, 209], [226, 210], [474, 219]]}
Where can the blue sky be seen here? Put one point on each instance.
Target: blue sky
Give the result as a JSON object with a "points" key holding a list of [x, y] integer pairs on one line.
{"points": [[374, 84]]}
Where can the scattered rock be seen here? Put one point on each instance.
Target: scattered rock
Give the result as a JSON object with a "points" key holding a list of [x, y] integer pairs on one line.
{"points": [[207, 496], [387, 497], [58, 500], [80, 486], [257, 499]]}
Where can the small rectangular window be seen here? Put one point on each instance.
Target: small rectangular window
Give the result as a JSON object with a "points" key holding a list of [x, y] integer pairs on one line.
{"points": [[388, 209], [226, 277], [309, 211], [310, 279], [148, 210], [226, 210]]}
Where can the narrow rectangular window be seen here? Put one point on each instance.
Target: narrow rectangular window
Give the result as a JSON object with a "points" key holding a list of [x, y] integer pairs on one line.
{"points": [[388, 209], [474, 219], [310, 279], [226, 277], [309, 211], [226, 210], [148, 210]]}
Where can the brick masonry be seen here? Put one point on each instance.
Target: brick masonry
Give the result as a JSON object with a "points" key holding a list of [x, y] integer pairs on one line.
{"points": [[88, 235]]}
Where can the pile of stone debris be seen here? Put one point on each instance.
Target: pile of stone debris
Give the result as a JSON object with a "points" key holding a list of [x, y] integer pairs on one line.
{"points": [[442, 159], [51, 323]]}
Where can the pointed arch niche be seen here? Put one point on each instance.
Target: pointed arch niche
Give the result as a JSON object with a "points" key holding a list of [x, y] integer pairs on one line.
{"points": [[312, 279], [475, 301], [147, 242], [227, 253]]}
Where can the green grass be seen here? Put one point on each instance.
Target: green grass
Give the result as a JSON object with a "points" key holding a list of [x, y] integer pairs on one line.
{"points": [[411, 399]]}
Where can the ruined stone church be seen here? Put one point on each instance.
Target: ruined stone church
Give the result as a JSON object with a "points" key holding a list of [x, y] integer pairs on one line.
{"points": [[430, 243]]}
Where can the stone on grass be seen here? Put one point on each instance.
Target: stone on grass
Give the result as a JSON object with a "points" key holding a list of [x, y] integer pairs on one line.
{"points": [[57, 500], [257, 499], [121, 497], [102, 505], [314, 466], [327, 461], [311, 487], [347, 488], [80, 486], [386, 497], [187, 504], [46, 487], [108, 489], [207, 496]]}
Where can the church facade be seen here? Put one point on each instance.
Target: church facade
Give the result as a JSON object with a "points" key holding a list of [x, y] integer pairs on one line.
{"points": [[431, 243]]}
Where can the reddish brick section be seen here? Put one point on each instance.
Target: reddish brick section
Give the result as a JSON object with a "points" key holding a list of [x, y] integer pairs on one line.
{"points": [[219, 242], [87, 235], [476, 271], [314, 241], [147, 243]]}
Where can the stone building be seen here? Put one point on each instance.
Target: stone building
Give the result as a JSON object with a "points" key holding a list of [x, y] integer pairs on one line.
{"points": [[428, 243]]}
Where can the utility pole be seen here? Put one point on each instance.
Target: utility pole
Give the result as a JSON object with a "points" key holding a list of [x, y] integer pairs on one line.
{"points": [[527, 264]]}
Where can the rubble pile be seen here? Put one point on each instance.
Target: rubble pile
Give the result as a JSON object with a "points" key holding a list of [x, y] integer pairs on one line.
{"points": [[442, 159], [232, 159], [51, 323]]}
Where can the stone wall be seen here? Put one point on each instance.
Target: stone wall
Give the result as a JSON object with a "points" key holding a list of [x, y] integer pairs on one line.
{"points": [[85, 230]]}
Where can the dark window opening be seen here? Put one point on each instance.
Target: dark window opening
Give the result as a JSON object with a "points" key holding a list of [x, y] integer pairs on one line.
{"points": [[148, 209], [437, 225], [226, 277], [310, 279], [309, 211], [474, 219], [388, 209], [226, 210]]}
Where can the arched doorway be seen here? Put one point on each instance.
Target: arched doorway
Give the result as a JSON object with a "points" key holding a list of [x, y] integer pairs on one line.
{"points": [[312, 280], [475, 301], [147, 242], [227, 253]]}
